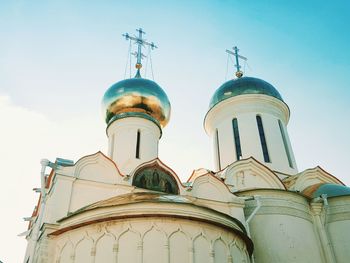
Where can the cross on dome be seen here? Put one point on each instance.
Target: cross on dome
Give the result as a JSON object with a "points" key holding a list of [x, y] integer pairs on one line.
{"points": [[238, 73], [140, 42]]}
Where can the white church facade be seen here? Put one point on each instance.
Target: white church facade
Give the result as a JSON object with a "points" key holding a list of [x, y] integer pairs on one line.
{"points": [[127, 206]]}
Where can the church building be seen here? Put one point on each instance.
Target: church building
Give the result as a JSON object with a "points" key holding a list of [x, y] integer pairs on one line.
{"points": [[127, 206]]}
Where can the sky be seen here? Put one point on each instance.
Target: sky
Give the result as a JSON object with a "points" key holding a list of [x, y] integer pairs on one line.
{"points": [[57, 58]]}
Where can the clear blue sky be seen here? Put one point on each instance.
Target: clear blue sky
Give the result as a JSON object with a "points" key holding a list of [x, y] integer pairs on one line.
{"points": [[57, 58]]}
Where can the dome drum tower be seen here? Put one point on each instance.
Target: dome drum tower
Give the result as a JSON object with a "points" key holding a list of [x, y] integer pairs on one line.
{"points": [[132, 141], [248, 117]]}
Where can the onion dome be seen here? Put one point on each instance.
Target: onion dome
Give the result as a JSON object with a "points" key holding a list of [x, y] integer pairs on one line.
{"points": [[136, 97], [330, 190], [241, 86]]}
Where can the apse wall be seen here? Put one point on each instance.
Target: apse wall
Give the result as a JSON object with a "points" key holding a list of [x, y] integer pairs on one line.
{"points": [[151, 240], [282, 229]]}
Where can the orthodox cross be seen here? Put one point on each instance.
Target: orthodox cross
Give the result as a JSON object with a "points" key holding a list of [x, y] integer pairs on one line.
{"points": [[238, 73], [140, 42]]}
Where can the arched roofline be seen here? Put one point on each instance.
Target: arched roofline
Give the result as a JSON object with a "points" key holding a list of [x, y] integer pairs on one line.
{"points": [[298, 181], [324, 172], [215, 178], [252, 161], [194, 176], [80, 161]]}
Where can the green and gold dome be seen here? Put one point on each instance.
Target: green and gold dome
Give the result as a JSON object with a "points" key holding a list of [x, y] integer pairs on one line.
{"points": [[136, 97]]}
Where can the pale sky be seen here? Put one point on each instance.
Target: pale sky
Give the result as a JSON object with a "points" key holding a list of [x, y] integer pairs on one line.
{"points": [[57, 58]]}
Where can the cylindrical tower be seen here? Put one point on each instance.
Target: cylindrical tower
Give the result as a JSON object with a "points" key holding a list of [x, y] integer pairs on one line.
{"points": [[135, 111], [248, 117]]}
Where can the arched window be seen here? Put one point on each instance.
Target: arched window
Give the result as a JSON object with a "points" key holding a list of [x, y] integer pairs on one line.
{"points": [[138, 142], [156, 179], [262, 139], [237, 139], [286, 148]]}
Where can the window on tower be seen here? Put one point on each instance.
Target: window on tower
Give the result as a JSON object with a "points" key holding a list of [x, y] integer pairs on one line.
{"points": [[286, 148], [217, 142], [237, 139], [262, 139], [138, 142]]}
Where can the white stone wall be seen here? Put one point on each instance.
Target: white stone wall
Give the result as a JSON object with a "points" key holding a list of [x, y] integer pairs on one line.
{"points": [[91, 179], [338, 227], [149, 240], [283, 229]]}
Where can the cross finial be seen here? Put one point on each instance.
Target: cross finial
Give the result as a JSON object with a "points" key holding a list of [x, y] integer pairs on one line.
{"points": [[140, 42], [238, 73]]}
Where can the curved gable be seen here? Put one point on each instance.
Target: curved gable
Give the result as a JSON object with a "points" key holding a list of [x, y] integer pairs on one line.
{"points": [[211, 188], [250, 174], [97, 167], [309, 177], [197, 173]]}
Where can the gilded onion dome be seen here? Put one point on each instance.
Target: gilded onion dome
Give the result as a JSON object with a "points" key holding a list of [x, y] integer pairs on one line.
{"points": [[136, 97]]}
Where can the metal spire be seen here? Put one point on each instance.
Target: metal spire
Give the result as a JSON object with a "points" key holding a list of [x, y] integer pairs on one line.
{"points": [[238, 73], [140, 42]]}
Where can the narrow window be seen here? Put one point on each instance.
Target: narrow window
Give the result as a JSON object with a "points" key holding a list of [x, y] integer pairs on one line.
{"points": [[111, 153], [237, 139], [262, 139], [138, 144], [286, 148], [217, 147]]}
